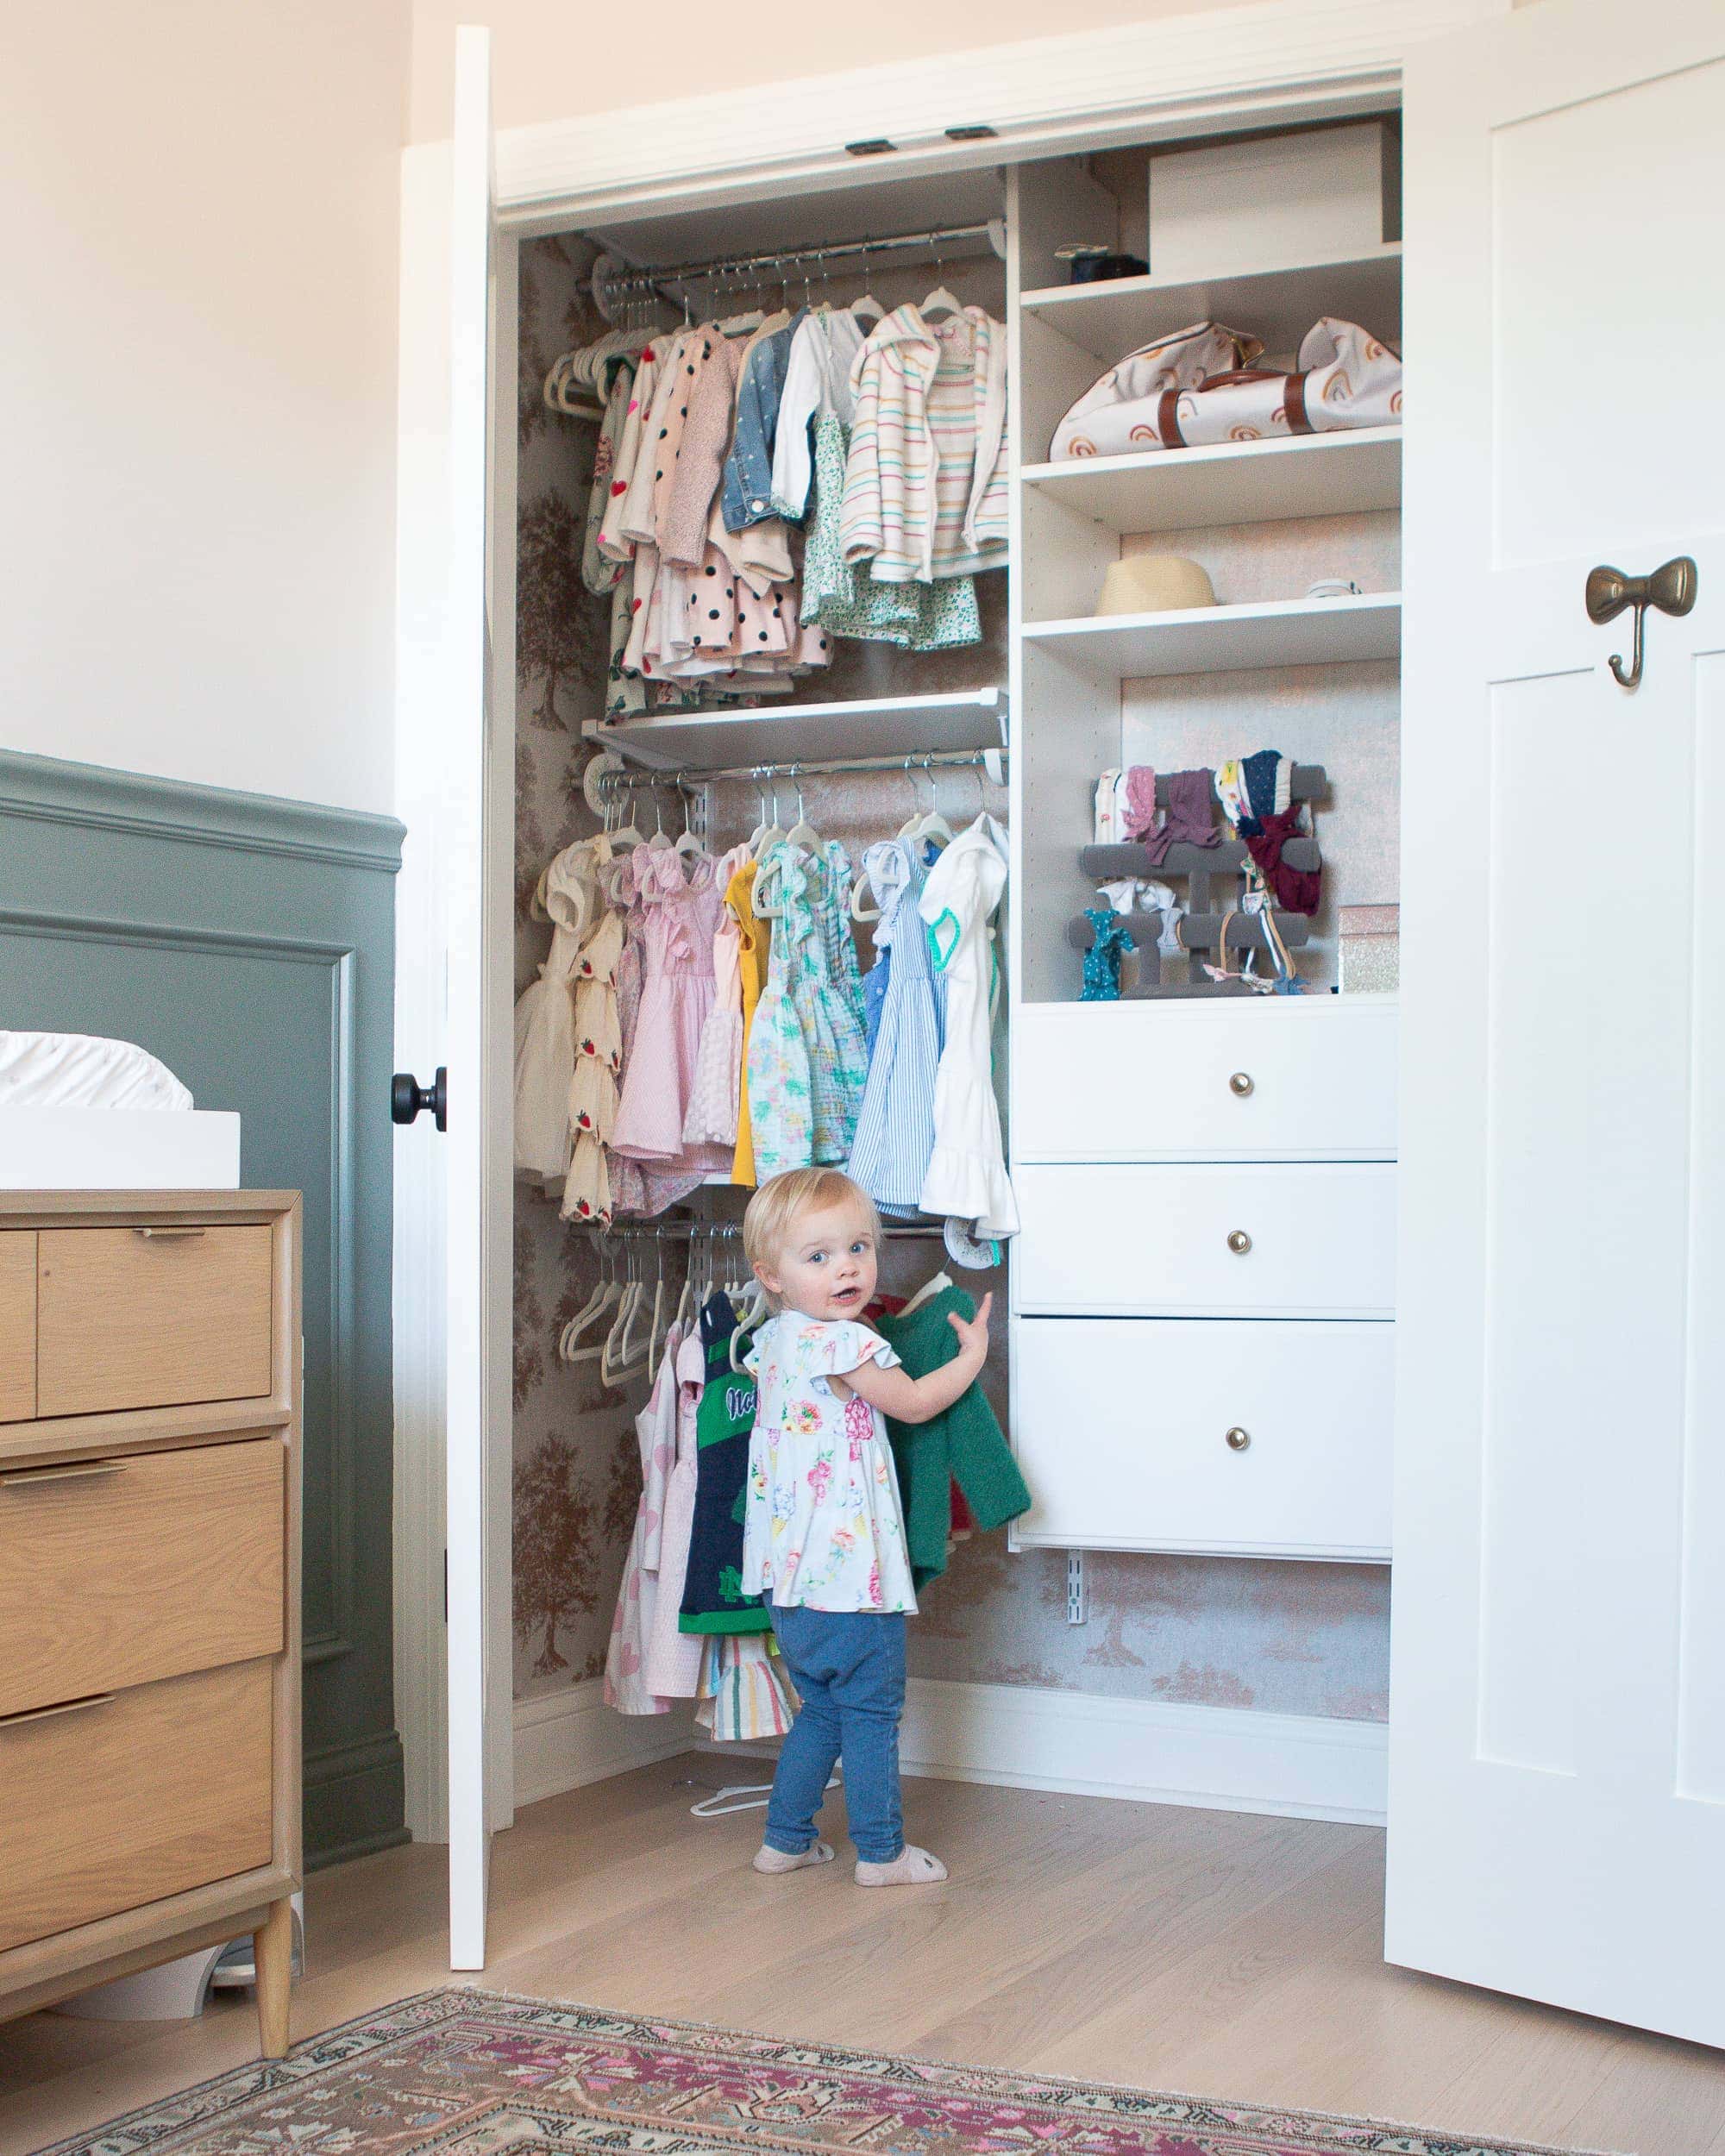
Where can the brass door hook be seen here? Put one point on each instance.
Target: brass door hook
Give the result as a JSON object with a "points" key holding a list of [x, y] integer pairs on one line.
{"points": [[1671, 588]]}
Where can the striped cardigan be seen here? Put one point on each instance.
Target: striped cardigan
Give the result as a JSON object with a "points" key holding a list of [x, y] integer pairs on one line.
{"points": [[925, 479]]}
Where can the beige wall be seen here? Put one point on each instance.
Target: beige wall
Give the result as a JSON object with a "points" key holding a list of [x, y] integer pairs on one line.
{"points": [[551, 60], [198, 247]]}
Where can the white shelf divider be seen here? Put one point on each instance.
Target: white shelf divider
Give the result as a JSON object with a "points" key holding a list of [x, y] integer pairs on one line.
{"points": [[1278, 303], [1230, 482], [789, 732], [1111, 648]]}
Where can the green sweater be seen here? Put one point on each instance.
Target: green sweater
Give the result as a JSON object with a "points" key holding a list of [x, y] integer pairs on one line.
{"points": [[965, 1445]]}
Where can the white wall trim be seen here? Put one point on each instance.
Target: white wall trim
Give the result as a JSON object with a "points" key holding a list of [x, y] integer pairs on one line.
{"points": [[1177, 75], [565, 1740], [1085, 1743], [1020, 1736]]}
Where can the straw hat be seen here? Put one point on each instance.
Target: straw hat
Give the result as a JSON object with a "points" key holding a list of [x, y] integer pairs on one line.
{"points": [[1154, 584]]}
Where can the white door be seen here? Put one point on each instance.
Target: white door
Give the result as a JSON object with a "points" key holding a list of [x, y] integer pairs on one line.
{"points": [[1556, 1810], [455, 789]]}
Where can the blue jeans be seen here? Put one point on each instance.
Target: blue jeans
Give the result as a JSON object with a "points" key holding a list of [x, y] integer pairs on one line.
{"points": [[849, 1668]]}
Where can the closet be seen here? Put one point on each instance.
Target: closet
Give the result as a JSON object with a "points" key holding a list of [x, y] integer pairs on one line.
{"points": [[1204, 1174]]}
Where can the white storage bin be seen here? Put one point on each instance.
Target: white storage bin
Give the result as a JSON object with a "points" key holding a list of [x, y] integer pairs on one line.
{"points": [[1278, 200]]}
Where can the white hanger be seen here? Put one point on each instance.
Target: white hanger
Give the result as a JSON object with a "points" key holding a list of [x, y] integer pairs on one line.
{"points": [[605, 1293], [611, 1361], [940, 300], [929, 823], [802, 832], [687, 843], [769, 835], [868, 305], [747, 1322], [660, 843]]}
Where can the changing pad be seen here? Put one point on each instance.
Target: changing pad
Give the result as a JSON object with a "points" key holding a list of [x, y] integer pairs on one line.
{"points": [[80, 1070]]}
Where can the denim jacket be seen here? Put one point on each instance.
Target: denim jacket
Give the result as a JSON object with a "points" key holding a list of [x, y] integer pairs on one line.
{"points": [[748, 495]]}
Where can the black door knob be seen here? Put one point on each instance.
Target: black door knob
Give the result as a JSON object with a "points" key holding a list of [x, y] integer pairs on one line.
{"points": [[407, 1097]]}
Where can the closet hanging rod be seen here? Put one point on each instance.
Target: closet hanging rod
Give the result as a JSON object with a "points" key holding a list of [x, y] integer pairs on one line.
{"points": [[936, 759], [683, 1231], [612, 285]]}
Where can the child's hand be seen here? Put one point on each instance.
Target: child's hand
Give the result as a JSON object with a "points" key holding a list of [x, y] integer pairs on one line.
{"points": [[973, 1337]]}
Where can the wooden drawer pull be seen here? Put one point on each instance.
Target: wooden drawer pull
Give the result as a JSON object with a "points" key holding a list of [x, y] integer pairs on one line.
{"points": [[72, 1471], [168, 1235], [46, 1714]]}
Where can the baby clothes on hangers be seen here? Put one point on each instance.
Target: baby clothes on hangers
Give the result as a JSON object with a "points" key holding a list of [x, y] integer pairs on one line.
{"points": [[599, 1058], [545, 1022], [780, 1105], [625, 1683], [673, 1663], [833, 1007], [712, 1599], [817, 376], [680, 913], [754, 937], [967, 1176], [925, 480], [895, 1140], [713, 1095]]}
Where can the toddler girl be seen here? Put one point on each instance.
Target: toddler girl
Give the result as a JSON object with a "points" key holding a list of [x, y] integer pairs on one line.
{"points": [[823, 1536]]}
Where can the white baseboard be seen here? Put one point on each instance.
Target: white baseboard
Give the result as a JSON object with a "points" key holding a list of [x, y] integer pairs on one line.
{"points": [[1221, 1758], [1031, 1737], [565, 1740]]}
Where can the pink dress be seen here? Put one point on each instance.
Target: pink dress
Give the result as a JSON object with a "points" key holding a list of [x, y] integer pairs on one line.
{"points": [[680, 915]]}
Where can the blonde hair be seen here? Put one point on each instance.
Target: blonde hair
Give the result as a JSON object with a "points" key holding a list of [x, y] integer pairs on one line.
{"points": [[777, 1205]]}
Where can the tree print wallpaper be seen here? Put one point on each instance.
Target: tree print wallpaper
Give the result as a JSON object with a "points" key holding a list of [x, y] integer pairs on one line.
{"points": [[1294, 1639]]}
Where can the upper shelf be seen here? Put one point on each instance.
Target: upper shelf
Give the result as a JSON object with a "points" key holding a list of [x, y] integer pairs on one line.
{"points": [[1231, 482], [1112, 318], [1217, 639], [787, 732]]}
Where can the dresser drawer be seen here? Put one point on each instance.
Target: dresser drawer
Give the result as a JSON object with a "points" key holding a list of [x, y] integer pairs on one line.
{"points": [[151, 1317], [1121, 1426], [113, 1572], [1318, 1241], [1281, 1080], [112, 1805], [17, 1326]]}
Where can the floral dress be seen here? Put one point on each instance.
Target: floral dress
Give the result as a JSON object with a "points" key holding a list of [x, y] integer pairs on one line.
{"points": [[822, 1523], [832, 1006], [781, 1113]]}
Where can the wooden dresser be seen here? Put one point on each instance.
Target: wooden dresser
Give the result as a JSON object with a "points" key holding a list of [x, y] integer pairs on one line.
{"points": [[149, 1585]]}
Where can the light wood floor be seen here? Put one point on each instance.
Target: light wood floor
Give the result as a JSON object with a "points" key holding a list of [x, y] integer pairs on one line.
{"points": [[1203, 1952]]}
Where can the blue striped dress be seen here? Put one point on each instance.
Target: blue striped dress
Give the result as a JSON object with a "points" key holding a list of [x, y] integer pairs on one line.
{"points": [[895, 1131]]}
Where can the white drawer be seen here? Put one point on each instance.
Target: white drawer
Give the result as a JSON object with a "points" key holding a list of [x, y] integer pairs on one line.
{"points": [[1286, 1079], [1121, 1427], [1156, 1241]]}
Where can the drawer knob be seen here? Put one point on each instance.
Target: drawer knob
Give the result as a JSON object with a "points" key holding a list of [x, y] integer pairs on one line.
{"points": [[1238, 1242], [1240, 1084], [1238, 1439]]}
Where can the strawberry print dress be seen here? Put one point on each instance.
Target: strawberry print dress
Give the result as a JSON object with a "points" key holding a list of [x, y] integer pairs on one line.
{"points": [[822, 1523]]}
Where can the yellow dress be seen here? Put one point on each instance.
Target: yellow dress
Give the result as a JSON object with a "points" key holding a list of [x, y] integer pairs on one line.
{"points": [[752, 941]]}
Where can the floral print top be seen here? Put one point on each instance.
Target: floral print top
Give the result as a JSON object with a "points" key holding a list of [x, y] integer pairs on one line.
{"points": [[822, 1523]]}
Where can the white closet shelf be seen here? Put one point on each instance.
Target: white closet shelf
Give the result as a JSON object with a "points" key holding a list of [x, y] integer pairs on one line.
{"points": [[785, 732], [1230, 482], [1278, 303], [1215, 639]]}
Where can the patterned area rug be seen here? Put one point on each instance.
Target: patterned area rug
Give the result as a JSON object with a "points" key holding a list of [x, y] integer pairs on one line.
{"points": [[460, 2072]]}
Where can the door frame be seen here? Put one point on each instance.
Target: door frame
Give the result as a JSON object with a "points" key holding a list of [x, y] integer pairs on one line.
{"points": [[1267, 62]]}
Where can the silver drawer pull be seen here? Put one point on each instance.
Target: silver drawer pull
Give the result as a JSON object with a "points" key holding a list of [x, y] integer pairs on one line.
{"points": [[168, 1235], [1240, 1084], [1238, 1242], [46, 1714], [1238, 1439], [73, 1472]]}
